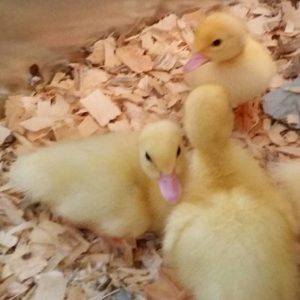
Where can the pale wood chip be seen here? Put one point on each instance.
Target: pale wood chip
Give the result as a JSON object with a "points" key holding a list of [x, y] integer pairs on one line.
{"points": [[257, 25], [92, 78], [147, 41], [153, 104], [162, 76], [132, 97], [187, 33], [293, 89], [87, 127], [11, 288], [14, 111], [164, 62], [177, 87], [100, 107], [13, 213], [135, 115], [120, 90], [65, 132], [121, 125], [51, 286], [194, 18], [291, 13], [97, 56], [19, 228], [38, 123], [109, 49], [58, 77], [275, 135], [7, 240], [27, 268], [293, 151], [96, 258], [134, 57], [167, 24], [75, 293], [291, 137], [292, 119], [57, 110], [60, 108], [4, 133]]}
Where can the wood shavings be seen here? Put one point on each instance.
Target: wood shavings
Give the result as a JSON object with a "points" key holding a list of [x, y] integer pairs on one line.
{"points": [[291, 14], [7, 240], [87, 127], [14, 111], [124, 83], [122, 125], [292, 119], [100, 107], [110, 59], [92, 78], [38, 123], [133, 57], [166, 24], [165, 62], [4, 133], [97, 56], [75, 293], [51, 286]]}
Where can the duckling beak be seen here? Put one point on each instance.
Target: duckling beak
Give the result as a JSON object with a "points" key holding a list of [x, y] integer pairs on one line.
{"points": [[196, 60], [170, 187]]}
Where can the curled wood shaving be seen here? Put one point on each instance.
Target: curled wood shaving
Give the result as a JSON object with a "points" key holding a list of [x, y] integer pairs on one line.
{"points": [[133, 57], [100, 107]]}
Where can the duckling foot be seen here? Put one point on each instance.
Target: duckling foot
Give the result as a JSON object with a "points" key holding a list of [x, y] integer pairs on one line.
{"points": [[246, 116]]}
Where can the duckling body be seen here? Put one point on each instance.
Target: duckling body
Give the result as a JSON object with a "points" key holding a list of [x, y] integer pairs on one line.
{"points": [[287, 176], [99, 182], [232, 236], [240, 64]]}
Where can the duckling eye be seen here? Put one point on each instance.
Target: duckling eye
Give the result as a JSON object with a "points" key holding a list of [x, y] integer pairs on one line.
{"points": [[216, 43], [178, 151], [148, 157]]}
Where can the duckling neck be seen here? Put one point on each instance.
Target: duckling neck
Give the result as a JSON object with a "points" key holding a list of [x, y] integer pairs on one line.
{"points": [[217, 162]]}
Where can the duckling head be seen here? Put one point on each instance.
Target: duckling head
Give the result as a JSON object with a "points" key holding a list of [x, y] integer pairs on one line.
{"points": [[208, 118], [220, 37], [161, 156]]}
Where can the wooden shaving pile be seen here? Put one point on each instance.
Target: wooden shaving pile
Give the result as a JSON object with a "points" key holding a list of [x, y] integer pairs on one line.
{"points": [[125, 82]]}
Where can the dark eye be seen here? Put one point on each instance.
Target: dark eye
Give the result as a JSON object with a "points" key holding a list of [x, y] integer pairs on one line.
{"points": [[216, 42], [148, 157], [178, 151]]}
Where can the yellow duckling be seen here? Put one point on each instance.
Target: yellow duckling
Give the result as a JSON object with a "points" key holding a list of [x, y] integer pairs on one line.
{"points": [[226, 54], [119, 184], [287, 175], [231, 237]]}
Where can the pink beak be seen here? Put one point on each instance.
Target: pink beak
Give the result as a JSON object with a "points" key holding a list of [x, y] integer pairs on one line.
{"points": [[195, 61], [170, 187]]}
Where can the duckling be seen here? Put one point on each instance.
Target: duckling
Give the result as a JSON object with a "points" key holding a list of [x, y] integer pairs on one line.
{"points": [[287, 175], [231, 237], [226, 54], [118, 184]]}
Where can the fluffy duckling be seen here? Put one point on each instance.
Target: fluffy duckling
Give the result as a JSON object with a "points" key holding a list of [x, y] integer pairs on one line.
{"points": [[287, 176], [119, 184], [231, 236], [226, 54]]}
